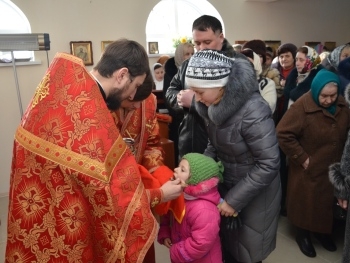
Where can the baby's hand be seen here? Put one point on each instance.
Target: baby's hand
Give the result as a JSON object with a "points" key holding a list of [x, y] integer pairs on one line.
{"points": [[167, 242]]}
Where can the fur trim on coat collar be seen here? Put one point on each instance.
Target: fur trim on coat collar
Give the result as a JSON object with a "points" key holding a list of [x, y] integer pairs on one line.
{"points": [[241, 85], [339, 173], [340, 181], [227, 49], [347, 93], [202, 187]]}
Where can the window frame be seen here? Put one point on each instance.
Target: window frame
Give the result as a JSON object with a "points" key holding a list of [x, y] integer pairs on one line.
{"points": [[164, 38]]}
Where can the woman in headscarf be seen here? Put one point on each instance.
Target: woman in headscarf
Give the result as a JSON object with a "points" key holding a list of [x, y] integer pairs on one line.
{"points": [[338, 61], [333, 59], [300, 79], [312, 134]]}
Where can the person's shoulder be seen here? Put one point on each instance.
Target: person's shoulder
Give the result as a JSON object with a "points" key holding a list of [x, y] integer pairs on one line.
{"points": [[256, 101], [272, 73], [304, 103], [265, 83], [197, 207], [239, 55], [170, 63]]}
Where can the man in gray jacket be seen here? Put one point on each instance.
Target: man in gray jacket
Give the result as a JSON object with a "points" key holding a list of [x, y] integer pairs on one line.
{"points": [[207, 34]]}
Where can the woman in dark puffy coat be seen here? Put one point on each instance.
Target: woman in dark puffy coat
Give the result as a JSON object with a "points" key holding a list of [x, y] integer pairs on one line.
{"points": [[242, 136], [339, 175]]}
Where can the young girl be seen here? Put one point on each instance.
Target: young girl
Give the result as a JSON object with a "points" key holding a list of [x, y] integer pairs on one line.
{"points": [[158, 72], [195, 236]]}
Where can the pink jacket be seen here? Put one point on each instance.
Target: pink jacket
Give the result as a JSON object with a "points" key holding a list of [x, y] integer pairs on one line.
{"points": [[196, 239]]}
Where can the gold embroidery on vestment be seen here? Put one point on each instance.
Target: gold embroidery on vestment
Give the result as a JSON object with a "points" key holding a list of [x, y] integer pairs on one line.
{"points": [[42, 90], [62, 156]]}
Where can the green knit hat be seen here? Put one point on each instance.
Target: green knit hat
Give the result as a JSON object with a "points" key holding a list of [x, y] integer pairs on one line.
{"points": [[202, 168]]}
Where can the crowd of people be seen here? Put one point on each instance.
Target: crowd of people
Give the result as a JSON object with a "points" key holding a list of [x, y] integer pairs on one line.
{"points": [[224, 119], [259, 133]]}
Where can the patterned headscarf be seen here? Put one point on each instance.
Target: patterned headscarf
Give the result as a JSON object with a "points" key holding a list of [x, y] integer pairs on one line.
{"points": [[334, 56], [312, 60], [180, 53]]}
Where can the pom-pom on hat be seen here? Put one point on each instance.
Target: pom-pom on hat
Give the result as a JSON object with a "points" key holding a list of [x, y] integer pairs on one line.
{"points": [[208, 69], [202, 168], [258, 46]]}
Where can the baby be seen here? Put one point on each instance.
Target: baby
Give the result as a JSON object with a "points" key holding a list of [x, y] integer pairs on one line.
{"points": [[195, 237]]}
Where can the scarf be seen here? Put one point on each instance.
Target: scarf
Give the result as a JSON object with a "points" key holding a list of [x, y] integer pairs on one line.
{"points": [[334, 56], [312, 60]]}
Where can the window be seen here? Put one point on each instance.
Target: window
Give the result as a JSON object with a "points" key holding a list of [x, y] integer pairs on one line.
{"points": [[172, 19], [13, 20]]}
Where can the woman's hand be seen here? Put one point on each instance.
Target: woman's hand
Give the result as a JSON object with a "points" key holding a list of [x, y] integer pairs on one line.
{"points": [[184, 98], [343, 203], [226, 210], [282, 82], [306, 163], [167, 242]]}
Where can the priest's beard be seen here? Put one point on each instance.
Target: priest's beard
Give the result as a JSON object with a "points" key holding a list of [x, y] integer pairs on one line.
{"points": [[115, 98]]}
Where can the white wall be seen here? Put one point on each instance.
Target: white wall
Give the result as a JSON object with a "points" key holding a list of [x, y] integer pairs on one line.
{"points": [[294, 21]]}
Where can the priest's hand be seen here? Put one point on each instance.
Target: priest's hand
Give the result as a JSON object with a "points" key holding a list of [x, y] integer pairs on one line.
{"points": [[171, 190]]}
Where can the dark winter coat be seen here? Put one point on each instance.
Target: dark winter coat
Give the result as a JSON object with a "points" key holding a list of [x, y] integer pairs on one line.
{"points": [[170, 70], [192, 132], [339, 175], [242, 136], [344, 74], [310, 131]]}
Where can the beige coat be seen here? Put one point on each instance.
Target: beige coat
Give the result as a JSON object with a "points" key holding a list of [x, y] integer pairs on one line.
{"points": [[307, 130]]}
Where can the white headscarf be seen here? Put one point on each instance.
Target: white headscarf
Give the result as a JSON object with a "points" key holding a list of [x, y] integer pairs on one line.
{"points": [[257, 64]]}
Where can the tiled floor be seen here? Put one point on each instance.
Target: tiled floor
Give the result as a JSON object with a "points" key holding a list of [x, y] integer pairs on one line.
{"points": [[287, 250]]}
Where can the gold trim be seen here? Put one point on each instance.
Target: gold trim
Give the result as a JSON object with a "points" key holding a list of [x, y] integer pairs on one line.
{"points": [[92, 168], [42, 90], [132, 207], [72, 58]]}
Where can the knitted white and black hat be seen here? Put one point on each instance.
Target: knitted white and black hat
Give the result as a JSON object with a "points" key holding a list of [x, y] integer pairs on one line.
{"points": [[208, 69]]}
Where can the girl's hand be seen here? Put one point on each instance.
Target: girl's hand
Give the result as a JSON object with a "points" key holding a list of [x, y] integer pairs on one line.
{"points": [[167, 242]]}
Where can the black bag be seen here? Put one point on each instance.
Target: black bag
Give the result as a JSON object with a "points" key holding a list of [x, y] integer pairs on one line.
{"points": [[233, 223]]}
